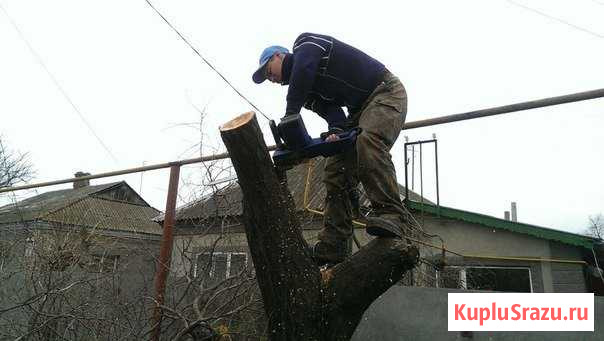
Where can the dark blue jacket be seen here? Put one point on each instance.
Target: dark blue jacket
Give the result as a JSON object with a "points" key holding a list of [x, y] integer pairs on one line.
{"points": [[325, 74]]}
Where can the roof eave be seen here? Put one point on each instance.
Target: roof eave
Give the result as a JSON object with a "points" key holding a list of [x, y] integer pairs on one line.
{"points": [[489, 221]]}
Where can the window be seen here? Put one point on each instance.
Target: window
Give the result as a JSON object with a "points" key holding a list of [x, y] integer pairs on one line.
{"points": [[506, 279], [218, 266]]}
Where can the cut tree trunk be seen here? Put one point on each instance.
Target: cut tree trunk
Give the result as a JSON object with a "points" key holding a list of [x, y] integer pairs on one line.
{"points": [[301, 302]]}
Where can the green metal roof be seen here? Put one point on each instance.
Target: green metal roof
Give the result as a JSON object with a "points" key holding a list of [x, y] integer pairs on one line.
{"points": [[492, 222]]}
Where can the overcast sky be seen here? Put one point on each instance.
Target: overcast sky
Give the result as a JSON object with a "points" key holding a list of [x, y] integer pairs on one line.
{"points": [[134, 81]]}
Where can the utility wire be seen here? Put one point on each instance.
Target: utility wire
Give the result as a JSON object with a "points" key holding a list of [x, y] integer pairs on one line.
{"points": [[56, 82], [556, 19], [206, 61]]}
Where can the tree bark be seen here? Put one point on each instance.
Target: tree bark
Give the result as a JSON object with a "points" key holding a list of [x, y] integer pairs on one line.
{"points": [[300, 302]]}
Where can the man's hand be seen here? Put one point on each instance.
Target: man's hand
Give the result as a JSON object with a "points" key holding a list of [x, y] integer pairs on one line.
{"points": [[332, 134], [332, 137]]}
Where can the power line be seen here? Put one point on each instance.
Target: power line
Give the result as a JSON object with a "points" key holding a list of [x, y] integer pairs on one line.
{"points": [[56, 82], [556, 19], [206, 61]]}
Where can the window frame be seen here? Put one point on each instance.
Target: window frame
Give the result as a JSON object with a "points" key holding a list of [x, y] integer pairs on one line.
{"points": [[463, 275], [214, 260]]}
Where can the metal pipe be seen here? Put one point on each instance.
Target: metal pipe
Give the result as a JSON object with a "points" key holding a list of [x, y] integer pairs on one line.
{"points": [[165, 254], [421, 142], [580, 96], [540, 103], [528, 259], [125, 171], [119, 172]]}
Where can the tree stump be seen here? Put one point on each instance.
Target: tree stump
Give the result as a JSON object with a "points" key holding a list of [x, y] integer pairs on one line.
{"points": [[302, 303]]}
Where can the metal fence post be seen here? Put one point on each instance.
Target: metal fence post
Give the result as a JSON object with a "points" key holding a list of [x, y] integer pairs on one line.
{"points": [[165, 255]]}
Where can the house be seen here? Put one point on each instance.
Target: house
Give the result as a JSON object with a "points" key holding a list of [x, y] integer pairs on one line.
{"points": [[491, 254], [460, 249], [113, 208], [102, 214], [83, 253], [503, 255], [212, 225]]}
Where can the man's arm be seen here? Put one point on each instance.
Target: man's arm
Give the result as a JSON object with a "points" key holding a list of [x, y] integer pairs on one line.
{"points": [[333, 114], [307, 55]]}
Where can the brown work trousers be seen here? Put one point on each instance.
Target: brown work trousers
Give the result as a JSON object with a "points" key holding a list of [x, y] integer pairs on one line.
{"points": [[381, 118]]}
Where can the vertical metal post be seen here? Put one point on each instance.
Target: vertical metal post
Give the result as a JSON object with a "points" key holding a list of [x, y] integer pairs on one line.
{"points": [[413, 167], [436, 163], [421, 169], [406, 178], [140, 187], [421, 173], [165, 255], [599, 269], [421, 179]]}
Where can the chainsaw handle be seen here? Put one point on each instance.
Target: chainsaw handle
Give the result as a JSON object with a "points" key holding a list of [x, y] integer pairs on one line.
{"points": [[276, 135]]}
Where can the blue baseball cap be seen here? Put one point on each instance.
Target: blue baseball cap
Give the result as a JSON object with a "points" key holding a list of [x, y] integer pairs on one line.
{"points": [[259, 75]]}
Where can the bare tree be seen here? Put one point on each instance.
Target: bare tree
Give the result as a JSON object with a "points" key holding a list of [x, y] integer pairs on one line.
{"points": [[206, 300], [69, 283], [596, 226], [14, 166], [210, 298]]}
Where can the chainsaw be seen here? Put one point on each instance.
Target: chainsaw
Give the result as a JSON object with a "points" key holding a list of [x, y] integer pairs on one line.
{"points": [[294, 144]]}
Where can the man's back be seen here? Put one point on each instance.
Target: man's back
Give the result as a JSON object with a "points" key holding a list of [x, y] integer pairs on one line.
{"points": [[332, 71]]}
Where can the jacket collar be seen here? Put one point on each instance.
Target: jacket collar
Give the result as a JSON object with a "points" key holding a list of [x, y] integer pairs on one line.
{"points": [[286, 68]]}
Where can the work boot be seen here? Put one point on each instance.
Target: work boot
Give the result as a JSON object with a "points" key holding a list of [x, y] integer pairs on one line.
{"points": [[387, 225], [328, 254]]}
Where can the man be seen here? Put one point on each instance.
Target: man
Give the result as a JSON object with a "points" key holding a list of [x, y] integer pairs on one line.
{"points": [[324, 75]]}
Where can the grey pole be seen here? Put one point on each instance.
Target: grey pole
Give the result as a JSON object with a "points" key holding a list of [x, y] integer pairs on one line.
{"points": [[540, 103], [580, 96]]}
